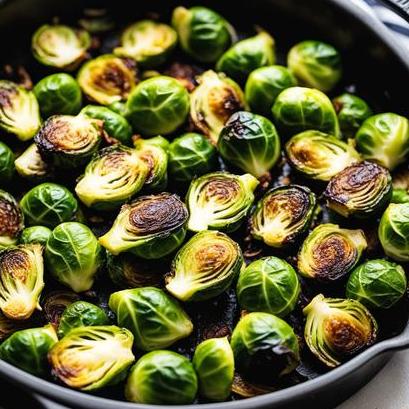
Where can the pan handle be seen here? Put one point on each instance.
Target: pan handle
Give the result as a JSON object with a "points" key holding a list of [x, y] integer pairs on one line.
{"points": [[401, 7]]}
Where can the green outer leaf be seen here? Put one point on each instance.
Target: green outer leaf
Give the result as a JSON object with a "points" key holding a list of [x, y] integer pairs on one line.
{"points": [[35, 234], [7, 169]]}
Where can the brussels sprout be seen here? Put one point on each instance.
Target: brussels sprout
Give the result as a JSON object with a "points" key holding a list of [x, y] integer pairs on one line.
{"points": [[69, 141], [90, 358], [158, 105], [19, 111], [318, 155], [213, 102], [219, 201], [400, 196], [48, 205], [214, 364], [28, 348], [118, 107], [282, 215], [250, 142], [361, 190], [150, 227], [203, 33], [6, 164], [147, 42], [157, 141], [337, 328], [263, 86], [162, 377], [11, 220], [113, 176], [298, 109], [60, 46], [384, 138], [55, 303], [155, 319], [377, 284], [107, 79], [264, 346], [204, 267], [35, 234], [247, 55], [315, 64], [73, 255], [30, 165]]}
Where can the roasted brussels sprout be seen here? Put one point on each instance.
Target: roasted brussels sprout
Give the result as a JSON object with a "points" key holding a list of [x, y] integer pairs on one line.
{"points": [[377, 284], [28, 348], [337, 328], [213, 101], [315, 64], [384, 138], [204, 267], [219, 201], [35, 234], [264, 346], [60, 46], [158, 105], [250, 142], [73, 255], [298, 109], [55, 303], [11, 220], [6, 164], [400, 196], [157, 141], [318, 155], [30, 165], [247, 55], [147, 42], [155, 319], [19, 111], [90, 358], [361, 190], [150, 227], [282, 215], [162, 377], [48, 205], [203, 33]]}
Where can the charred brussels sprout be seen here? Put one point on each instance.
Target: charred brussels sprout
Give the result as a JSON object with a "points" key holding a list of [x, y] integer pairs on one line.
{"points": [[155, 319], [361, 190], [90, 358], [315, 64], [162, 377], [150, 227], [204, 267], [35, 234], [337, 329], [384, 138], [73, 255], [6, 164], [219, 201], [55, 303], [11, 220], [282, 215], [250, 142], [30, 165]]}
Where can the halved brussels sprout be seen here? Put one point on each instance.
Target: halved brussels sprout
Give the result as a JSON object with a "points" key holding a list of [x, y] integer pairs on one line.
{"points": [[147, 42], [299, 109], [35, 234], [264, 347], [315, 64], [11, 220], [30, 164], [73, 256], [48, 205], [162, 377], [282, 215], [6, 164], [400, 196], [28, 348], [337, 328], [377, 284], [150, 227], [204, 267], [19, 111], [384, 138], [250, 142], [329, 252], [213, 101], [21, 280], [214, 365], [203, 33], [60, 46], [55, 303], [247, 55], [156, 320], [158, 105], [90, 358], [318, 155], [219, 201], [361, 190]]}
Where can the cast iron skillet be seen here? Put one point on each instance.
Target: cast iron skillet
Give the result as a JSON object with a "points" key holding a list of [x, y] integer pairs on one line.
{"points": [[376, 66]]}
